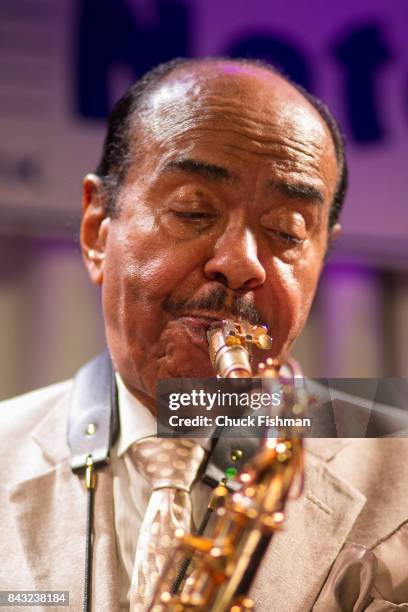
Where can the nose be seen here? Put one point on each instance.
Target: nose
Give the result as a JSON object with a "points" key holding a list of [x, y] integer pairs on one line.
{"points": [[235, 261]]}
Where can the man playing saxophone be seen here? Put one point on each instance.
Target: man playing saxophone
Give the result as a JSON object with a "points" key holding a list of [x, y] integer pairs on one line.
{"points": [[217, 197]]}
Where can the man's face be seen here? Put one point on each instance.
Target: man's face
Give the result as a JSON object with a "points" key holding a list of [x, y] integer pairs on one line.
{"points": [[223, 213]]}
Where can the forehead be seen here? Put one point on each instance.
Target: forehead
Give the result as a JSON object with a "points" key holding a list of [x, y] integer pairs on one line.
{"points": [[243, 110]]}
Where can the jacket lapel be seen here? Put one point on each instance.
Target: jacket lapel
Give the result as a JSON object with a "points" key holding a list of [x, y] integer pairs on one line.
{"points": [[316, 527], [49, 511]]}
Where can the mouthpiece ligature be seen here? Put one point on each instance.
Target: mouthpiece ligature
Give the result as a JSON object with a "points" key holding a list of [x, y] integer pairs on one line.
{"points": [[230, 344]]}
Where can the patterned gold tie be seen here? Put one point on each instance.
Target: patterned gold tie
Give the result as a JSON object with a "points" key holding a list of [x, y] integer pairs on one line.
{"points": [[170, 466]]}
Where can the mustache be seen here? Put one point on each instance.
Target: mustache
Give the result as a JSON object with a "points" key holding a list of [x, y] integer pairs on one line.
{"points": [[217, 300]]}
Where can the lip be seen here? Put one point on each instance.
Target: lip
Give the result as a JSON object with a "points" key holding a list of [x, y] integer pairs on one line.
{"points": [[200, 321]]}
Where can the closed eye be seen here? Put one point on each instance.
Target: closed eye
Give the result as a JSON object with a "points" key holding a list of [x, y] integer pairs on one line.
{"points": [[193, 216], [288, 238]]}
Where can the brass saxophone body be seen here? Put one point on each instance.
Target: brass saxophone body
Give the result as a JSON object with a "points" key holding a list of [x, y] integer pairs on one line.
{"points": [[226, 562]]}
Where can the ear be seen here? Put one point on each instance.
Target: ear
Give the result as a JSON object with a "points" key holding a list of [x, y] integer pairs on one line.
{"points": [[335, 232], [94, 227]]}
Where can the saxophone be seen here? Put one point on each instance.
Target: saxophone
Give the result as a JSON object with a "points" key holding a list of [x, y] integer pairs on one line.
{"points": [[245, 521]]}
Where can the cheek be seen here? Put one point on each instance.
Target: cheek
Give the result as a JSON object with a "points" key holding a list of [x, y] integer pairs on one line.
{"points": [[142, 269], [292, 288], [147, 266]]}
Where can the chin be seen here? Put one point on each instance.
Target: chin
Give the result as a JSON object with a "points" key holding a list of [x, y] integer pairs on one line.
{"points": [[188, 370], [192, 364]]}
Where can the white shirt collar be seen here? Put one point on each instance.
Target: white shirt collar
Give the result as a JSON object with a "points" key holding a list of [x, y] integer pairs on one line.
{"points": [[136, 421]]}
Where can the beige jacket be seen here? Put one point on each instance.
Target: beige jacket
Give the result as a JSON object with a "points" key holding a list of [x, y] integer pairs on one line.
{"points": [[356, 493]]}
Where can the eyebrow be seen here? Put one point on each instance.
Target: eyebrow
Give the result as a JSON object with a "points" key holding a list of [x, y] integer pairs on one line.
{"points": [[200, 168], [298, 191]]}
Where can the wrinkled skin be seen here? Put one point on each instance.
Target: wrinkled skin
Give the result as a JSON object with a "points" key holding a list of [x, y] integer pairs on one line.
{"points": [[250, 236]]}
